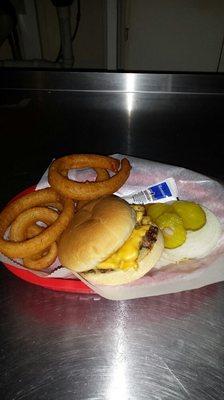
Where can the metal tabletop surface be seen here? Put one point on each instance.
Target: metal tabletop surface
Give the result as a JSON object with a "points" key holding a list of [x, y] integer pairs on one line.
{"points": [[57, 345], [68, 346]]}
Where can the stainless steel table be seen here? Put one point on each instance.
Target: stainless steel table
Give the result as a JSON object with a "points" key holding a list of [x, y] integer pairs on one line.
{"points": [[69, 346]]}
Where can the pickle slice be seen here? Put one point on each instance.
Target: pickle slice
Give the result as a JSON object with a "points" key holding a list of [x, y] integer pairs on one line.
{"points": [[172, 228], [155, 210], [193, 216]]}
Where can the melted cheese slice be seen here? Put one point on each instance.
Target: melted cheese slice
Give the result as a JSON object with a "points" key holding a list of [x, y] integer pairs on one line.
{"points": [[127, 255]]}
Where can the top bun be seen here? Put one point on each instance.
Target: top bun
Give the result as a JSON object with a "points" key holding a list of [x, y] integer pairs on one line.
{"points": [[97, 230]]}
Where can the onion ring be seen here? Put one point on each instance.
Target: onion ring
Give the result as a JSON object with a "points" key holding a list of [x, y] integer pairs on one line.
{"points": [[38, 243], [44, 259], [33, 230], [102, 175], [25, 227], [87, 190], [18, 230], [56, 206]]}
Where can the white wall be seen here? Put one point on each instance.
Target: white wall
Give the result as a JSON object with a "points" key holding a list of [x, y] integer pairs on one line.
{"points": [[178, 35]]}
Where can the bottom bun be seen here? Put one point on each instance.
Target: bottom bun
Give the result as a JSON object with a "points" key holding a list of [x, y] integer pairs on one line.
{"points": [[146, 261]]}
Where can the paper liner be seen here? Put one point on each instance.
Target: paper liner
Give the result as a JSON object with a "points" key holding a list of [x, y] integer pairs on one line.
{"points": [[174, 278]]}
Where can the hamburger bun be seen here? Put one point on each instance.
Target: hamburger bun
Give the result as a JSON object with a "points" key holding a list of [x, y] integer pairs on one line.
{"points": [[98, 230]]}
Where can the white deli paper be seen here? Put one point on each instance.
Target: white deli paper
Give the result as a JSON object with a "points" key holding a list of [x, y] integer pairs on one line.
{"points": [[174, 278]]}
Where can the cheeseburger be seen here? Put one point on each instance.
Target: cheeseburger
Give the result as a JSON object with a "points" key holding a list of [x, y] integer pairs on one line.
{"points": [[110, 242]]}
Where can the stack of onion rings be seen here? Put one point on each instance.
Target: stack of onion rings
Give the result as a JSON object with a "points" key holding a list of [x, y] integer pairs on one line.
{"points": [[24, 227], [54, 206], [87, 190], [39, 243]]}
